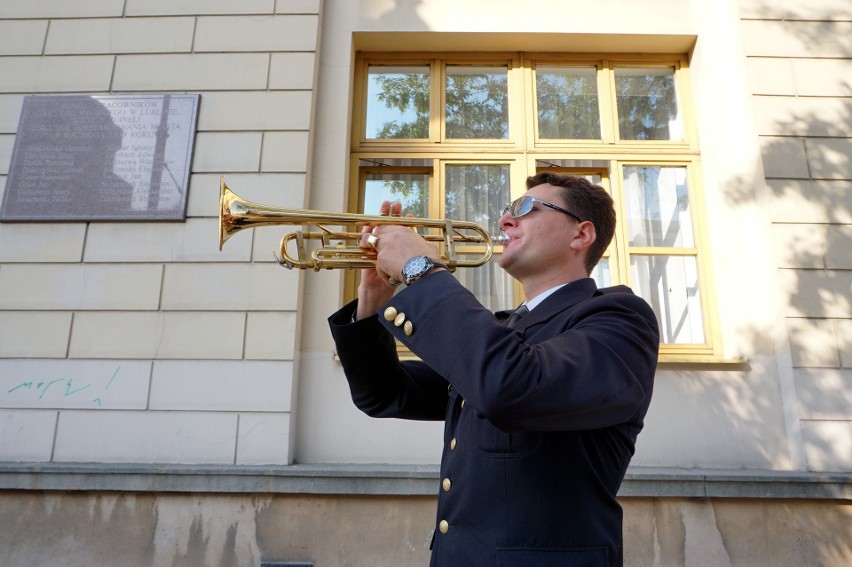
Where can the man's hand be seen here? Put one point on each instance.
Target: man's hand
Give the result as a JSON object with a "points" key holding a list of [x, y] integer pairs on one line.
{"points": [[394, 246], [374, 289]]}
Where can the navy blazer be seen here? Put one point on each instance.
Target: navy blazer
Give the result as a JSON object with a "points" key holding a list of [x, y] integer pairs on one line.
{"points": [[540, 421]]}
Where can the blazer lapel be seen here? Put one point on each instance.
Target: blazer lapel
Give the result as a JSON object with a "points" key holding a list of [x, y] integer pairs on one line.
{"points": [[564, 298]]}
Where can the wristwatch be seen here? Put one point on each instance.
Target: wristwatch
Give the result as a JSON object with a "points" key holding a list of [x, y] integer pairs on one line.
{"points": [[417, 267]]}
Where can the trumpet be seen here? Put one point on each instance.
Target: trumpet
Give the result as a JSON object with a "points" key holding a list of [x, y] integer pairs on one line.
{"points": [[339, 249]]}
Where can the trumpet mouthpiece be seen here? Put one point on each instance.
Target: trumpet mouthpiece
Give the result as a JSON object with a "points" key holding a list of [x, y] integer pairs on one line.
{"points": [[500, 239]]}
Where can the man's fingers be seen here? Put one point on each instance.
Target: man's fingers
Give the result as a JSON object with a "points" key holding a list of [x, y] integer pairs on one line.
{"points": [[364, 242], [369, 236]]}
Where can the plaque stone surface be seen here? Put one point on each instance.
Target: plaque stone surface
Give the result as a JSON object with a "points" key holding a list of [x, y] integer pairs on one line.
{"points": [[101, 158]]}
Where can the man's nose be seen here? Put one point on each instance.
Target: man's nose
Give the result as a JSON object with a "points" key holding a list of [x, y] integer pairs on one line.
{"points": [[507, 220]]}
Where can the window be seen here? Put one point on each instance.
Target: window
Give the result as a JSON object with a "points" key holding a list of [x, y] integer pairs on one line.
{"points": [[457, 136]]}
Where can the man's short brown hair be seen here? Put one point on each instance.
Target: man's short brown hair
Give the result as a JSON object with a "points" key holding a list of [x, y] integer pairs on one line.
{"points": [[588, 201]]}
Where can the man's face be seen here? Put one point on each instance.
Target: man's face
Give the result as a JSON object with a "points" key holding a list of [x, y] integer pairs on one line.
{"points": [[540, 239]]}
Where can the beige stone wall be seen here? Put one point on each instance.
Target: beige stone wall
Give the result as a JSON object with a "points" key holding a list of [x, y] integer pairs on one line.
{"points": [[720, 416], [85, 529], [196, 354], [799, 57], [216, 342], [189, 353]]}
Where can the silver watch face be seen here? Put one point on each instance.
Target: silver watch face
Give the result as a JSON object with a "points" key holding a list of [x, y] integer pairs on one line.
{"points": [[416, 267]]}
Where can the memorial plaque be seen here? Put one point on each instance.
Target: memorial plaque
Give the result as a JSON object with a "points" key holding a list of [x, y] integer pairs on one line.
{"points": [[101, 158]]}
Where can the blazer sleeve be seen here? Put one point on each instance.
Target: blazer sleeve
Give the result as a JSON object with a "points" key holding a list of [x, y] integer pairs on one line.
{"points": [[381, 385], [587, 367]]}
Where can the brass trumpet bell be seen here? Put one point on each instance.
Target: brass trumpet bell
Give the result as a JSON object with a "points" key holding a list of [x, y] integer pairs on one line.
{"points": [[339, 249]]}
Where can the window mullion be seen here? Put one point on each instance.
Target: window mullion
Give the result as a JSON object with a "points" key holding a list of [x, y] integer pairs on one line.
{"points": [[360, 101], [437, 106], [609, 111], [437, 196], [530, 104], [621, 237], [702, 244], [518, 101], [614, 253]]}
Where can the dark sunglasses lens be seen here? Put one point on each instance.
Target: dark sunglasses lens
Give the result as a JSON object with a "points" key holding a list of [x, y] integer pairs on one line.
{"points": [[519, 207], [522, 207]]}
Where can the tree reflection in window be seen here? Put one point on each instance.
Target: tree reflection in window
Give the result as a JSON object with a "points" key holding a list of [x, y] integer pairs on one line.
{"points": [[411, 189], [647, 104], [397, 102], [477, 102], [567, 103]]}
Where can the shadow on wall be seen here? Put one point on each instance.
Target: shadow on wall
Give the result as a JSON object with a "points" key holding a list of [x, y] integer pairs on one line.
{"points": [[808, 166], [807, 156], [813, 273], [806, 144]]}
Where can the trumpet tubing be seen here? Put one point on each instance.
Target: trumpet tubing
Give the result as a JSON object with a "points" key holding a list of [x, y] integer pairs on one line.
{"points": [[339, 249]]}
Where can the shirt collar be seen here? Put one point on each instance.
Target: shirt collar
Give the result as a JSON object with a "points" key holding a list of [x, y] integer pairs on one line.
{"points": [[533, 303]]}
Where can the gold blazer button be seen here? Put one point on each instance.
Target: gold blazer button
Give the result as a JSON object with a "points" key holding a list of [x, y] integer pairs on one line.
{"points": [[390, 313]]}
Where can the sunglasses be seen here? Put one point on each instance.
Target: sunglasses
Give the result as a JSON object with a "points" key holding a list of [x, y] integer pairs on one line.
{"points": [[524, 206]]}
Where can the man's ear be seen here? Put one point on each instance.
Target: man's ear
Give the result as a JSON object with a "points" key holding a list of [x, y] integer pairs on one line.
{"points": [[585, 237]]}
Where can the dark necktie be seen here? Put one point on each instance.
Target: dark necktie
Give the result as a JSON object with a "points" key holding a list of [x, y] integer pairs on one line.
{"points": [[515, 318]]}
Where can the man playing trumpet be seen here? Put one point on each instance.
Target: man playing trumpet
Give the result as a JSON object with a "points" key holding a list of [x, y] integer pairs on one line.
{"points": [[541, 406]]}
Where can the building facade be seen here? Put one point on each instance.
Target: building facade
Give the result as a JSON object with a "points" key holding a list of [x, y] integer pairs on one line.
{"points": [[165, 402]]}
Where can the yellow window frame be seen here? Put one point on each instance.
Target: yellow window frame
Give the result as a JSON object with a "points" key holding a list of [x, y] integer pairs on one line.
{"points": [[523, 149]]}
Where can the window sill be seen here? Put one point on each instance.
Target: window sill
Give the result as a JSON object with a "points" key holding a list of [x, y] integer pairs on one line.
{"points": [[703, 359], [400, 480]]}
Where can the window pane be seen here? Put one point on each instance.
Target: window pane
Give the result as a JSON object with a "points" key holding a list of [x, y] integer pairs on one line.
{"points": [[412, 189], [477, 102], [647, 104], [397, 102], [670, 285], [491, 285], [567, 99], [602, 274], [477, 193], [658, 212]]}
